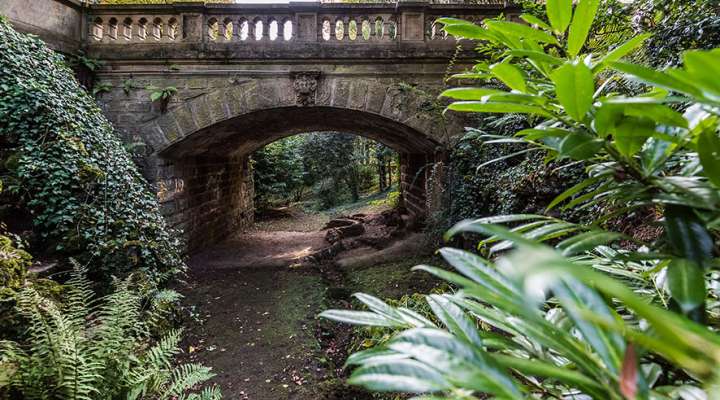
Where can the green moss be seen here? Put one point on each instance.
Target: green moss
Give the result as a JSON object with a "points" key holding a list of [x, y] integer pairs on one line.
{"points": [[14, 264]]}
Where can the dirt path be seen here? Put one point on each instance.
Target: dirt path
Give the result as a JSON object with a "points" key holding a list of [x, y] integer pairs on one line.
{"points": [[254, 309], [257, 315]]}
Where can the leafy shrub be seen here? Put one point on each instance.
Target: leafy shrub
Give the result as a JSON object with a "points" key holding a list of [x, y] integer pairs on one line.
{"points": [[87, 198], [559, 313], [85, 349]]}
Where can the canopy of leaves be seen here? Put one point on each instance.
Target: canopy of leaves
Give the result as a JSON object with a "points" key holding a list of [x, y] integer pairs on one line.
{"points": [[86, 196]]}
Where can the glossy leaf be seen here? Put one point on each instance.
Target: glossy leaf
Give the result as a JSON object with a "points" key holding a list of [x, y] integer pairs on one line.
{"points": [[580, 146], [686, 281], [522, 31], [687, 234], [559, 13], [631, 133], [405, 375], [708, 147], [493, 107], [574, 87], [469, 93], [580, 27], [657, 78], [510, 75]]}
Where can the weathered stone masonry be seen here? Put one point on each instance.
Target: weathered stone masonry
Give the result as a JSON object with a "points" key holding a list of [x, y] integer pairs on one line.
{"points": [[248, 75]]}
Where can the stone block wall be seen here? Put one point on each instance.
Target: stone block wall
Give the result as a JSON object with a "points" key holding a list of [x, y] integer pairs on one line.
{"points": [[60, 23], [208, 198], [413, 177]]}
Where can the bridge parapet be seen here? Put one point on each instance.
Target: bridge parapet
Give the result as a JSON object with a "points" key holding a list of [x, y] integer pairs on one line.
{"points": [[245, 28]]}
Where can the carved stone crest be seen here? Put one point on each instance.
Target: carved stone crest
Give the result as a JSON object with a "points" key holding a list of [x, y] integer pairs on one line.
{"points": [[305, 85]]}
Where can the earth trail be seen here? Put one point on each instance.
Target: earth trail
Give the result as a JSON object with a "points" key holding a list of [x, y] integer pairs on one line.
{"points": [[255, 311]]}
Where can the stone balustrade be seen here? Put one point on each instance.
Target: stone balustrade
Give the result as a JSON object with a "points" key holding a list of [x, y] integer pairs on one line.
{"points": [[260, 26]]}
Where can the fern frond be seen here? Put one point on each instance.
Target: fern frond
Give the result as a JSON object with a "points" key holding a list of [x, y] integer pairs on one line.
{"points": [[78, 299], [184, 378], [209, 393]]}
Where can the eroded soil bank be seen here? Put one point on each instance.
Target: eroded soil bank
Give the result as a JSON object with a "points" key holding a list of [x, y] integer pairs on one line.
{"points": [[254, 301]]}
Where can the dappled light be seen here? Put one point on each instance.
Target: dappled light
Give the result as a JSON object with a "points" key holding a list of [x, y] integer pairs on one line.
{"points": [[359, 200]]}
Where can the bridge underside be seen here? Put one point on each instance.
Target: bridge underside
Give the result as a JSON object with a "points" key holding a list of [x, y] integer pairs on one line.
{"points": [[207, 188], [247, 74]]}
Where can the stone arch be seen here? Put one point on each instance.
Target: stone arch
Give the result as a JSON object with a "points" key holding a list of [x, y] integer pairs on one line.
{"points": [[201, 146]]}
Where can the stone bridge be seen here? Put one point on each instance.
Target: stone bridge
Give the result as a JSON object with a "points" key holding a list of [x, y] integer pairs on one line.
{"points": [[247, 75]]}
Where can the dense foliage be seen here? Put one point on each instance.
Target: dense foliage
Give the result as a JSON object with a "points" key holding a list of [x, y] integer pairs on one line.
{"points": [[555, 309], [83, 349], [332, 168], [65, 164]]}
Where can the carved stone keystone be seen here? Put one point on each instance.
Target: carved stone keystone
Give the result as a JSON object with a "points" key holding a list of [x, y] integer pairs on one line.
{"points": [[305, 84]]}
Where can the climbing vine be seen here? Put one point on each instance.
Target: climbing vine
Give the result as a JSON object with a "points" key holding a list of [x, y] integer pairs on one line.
{"points": [[86, 198]]}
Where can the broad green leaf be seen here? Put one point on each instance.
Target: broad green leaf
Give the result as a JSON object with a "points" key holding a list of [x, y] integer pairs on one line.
{"points": [[535, 133], [587, 241], [522, 31], [708, 147], [572, 191], [657, 78], [477, 269], [533, 20], [470, 225], [408, 376], [622, 50], [703, 69], [574, 85], [454, 319], [495, 107], [606, 118], [461, 364], [559, 13], [654, 154], [687, 234], [510, 75], [469, 93], [580, 27], [379, 306], [631, 133], [154, 96], [360, 318], [373, 354], [580, 146], [468, 31], [537, 56], [686, 281], [538, 367]]}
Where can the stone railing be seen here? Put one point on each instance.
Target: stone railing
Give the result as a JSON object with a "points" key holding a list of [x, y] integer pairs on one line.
{"points": [[281, 24]]}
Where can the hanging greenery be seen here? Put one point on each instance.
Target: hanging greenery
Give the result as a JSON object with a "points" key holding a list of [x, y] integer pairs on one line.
{"points": [[86, 197]]}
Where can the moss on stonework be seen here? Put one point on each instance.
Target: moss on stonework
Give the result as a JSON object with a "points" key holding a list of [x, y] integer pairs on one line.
{"points": [[14, 264]]}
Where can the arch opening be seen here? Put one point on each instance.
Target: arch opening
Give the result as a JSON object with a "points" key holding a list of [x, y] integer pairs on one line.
{"points": [[207, 186]]}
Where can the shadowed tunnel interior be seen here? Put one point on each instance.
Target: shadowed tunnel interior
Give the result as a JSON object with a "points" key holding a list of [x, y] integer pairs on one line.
{"points": [[208, 178]]}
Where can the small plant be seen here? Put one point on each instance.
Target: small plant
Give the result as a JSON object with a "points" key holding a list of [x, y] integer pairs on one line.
{"points": [[128, 86], [97, 349], [101, 87], [162, 94], [81, 59]]}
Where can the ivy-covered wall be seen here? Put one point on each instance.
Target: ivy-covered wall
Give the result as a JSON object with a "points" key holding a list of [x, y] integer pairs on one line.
{"points": [[64, 163]]}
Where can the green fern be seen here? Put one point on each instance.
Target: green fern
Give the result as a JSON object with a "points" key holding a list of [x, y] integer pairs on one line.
{"points": [[85, 349]]}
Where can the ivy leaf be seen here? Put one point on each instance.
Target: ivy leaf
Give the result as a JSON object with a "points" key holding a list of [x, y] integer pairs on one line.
{"points": [[574, 86]]}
